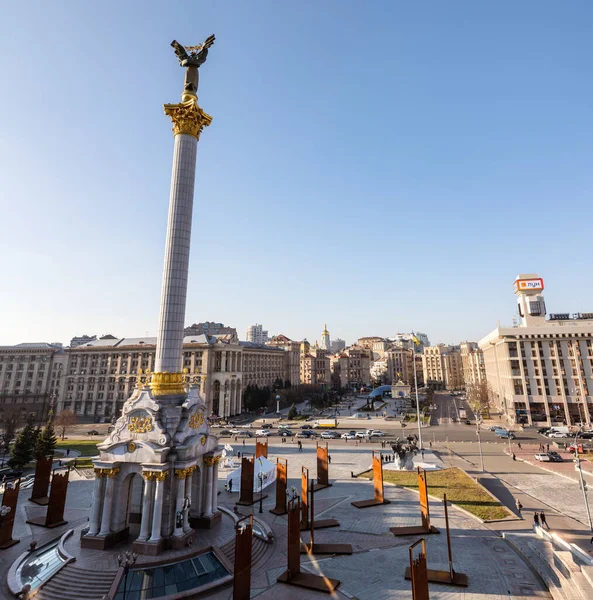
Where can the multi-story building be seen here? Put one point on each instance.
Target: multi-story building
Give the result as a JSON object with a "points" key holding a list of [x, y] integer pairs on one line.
{"points": [[31, 378], [337, 345], [379, 371], [211, 328], [352, 367], [315, 365], [292, 357], [541, 371], [400, 365], [442, 364], [100, 375], [82, 339], [257, 334], [472, 360]]}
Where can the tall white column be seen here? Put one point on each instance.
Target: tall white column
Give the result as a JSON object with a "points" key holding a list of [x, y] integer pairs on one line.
{"points": [[108, 500], [98, 491], [146, 505], [157, 517], [181, 476], [200, 494], [175, 273], [215, 486], [208, 492]]}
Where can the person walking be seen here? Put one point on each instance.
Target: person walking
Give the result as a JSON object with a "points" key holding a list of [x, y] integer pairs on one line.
{"points": [[536, 520], [519, 445], [519, 506], [230, 486], [542, 518], [548, 448], [243, 441], [514, 457], [329, 459]]}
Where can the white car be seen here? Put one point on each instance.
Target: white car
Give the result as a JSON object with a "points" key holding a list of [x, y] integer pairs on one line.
{"points": [[349, 436], [234, 431], [377, 433], [543, 457], [262, 432], [557, 434], [360, 434]]}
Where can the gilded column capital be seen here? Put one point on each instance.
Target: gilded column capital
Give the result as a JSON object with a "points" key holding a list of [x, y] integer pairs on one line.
{"points": [[99, 473], [182, 473], [187, 117], [148, 475], [210, 461], [160, 475], [165, 384], [109, 473]]}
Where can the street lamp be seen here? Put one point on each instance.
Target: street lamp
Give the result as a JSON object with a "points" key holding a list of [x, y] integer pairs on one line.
{"points": [[583, 486], [277, 403], [260, 476], [126, 561], [478, 419]]}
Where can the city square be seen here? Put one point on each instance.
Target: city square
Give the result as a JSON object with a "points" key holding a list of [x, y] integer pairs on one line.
{"points": [[170, 461]]}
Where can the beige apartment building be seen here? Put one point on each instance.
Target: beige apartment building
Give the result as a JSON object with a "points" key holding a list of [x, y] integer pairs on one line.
{"points": [[31, 378], [351, 367], [400, 365], [472, 360], [442, 364], [541, 371], [315, 365], [292, 357]]}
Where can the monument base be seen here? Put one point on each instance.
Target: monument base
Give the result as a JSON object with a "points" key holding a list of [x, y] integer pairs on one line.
{"points": [[321, 486], [8, 544], [149, 548], [322, 524], [368, 503], [40, 521], [182, 541], [102, 542], [397, 531], [326, 549], [205, 522], [444, 577], [256, 498], [42, 501], [279, 511], [310, 582]]}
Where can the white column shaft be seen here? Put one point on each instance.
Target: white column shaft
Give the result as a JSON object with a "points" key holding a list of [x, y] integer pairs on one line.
{"points": [[174, 290], [107, 506], [95, 520], [157, 517], [146, 509], [179, 505], [188, 494], [208, 494], [215, 488]]}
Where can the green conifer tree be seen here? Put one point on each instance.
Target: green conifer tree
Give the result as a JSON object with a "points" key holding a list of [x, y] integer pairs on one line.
{"points": [[22, 451], [46, 442]]}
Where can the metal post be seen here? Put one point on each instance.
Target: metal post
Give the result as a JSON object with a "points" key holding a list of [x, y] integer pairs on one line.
{"points": [[479, 442], [260, 476], [576, 453], [417, 400]]}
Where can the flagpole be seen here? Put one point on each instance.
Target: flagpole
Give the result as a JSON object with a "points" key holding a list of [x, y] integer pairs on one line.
{"points": [[416, 387]]}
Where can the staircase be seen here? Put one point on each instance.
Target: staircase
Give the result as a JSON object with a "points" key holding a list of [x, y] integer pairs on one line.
{"points": [[566, 577], [72, 583], [259, 550]]}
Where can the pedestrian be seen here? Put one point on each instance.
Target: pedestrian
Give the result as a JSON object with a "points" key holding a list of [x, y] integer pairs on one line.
{"points": [[230, 486], [514, 457], [243, 441], [542, 518], [329, 459], [519, 445], [519, 506], [238, 455], [536, 520], [68, 452], [430, 444], [422, 454], [548, 448]]}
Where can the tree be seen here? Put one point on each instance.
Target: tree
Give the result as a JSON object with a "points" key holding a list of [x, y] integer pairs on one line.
{"points": [[10, 421], [23, 449], [64, 421], [292, 413], [478, 397], [46, 442]]}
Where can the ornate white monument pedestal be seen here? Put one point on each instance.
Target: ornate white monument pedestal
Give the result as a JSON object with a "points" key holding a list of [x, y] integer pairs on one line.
{"points": [[158, 470]]}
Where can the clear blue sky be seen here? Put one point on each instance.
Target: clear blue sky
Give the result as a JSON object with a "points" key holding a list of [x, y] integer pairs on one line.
{"points": [[379, 166]]}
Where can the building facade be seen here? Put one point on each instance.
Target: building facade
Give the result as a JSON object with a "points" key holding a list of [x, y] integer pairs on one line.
{"points": [[315, 366], [541, 371], [211, 328], [292, 357], [400, 365], [351, 368], [442, 364], [472, 360], [257, 334]]}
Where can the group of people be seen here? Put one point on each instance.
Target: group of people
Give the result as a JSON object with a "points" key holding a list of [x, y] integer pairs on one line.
{"points": [[539, 518], [544, 447]]}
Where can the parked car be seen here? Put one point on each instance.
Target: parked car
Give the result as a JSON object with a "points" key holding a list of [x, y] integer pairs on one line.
{"points": [[262, 433], [361, 434], [245, 434], [306, 426], [555, 457], [376, 433], [286, 432], [330, 435], [557, 434], [543, 430], [351, 435], [304, 434], [543, 457], [224, 432], [586, 435], [93, 432]]}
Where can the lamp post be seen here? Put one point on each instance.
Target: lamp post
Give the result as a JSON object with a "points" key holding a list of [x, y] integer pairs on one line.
{"points": [[583, 486], [260, 476], [126, 561], [277, 403], [478, 419]]}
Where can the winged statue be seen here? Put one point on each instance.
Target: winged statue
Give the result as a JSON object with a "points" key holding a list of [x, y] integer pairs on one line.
{"points": [[192, 57]]}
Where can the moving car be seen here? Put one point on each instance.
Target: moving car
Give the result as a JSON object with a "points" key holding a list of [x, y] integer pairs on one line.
{"points": [[504, 434], [304, 434], [543, 430], [286, 432], [330, 435], [543, 457], [245, 434], [93, 432], [557, 434], [224, 432], [376, 433], [467, 422], [262, 432], [306, 426], [351, 435], [555, 457]]}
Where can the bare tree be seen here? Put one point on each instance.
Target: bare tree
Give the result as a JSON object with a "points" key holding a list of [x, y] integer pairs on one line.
{"points": [[63, 421], [478, 396]]}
